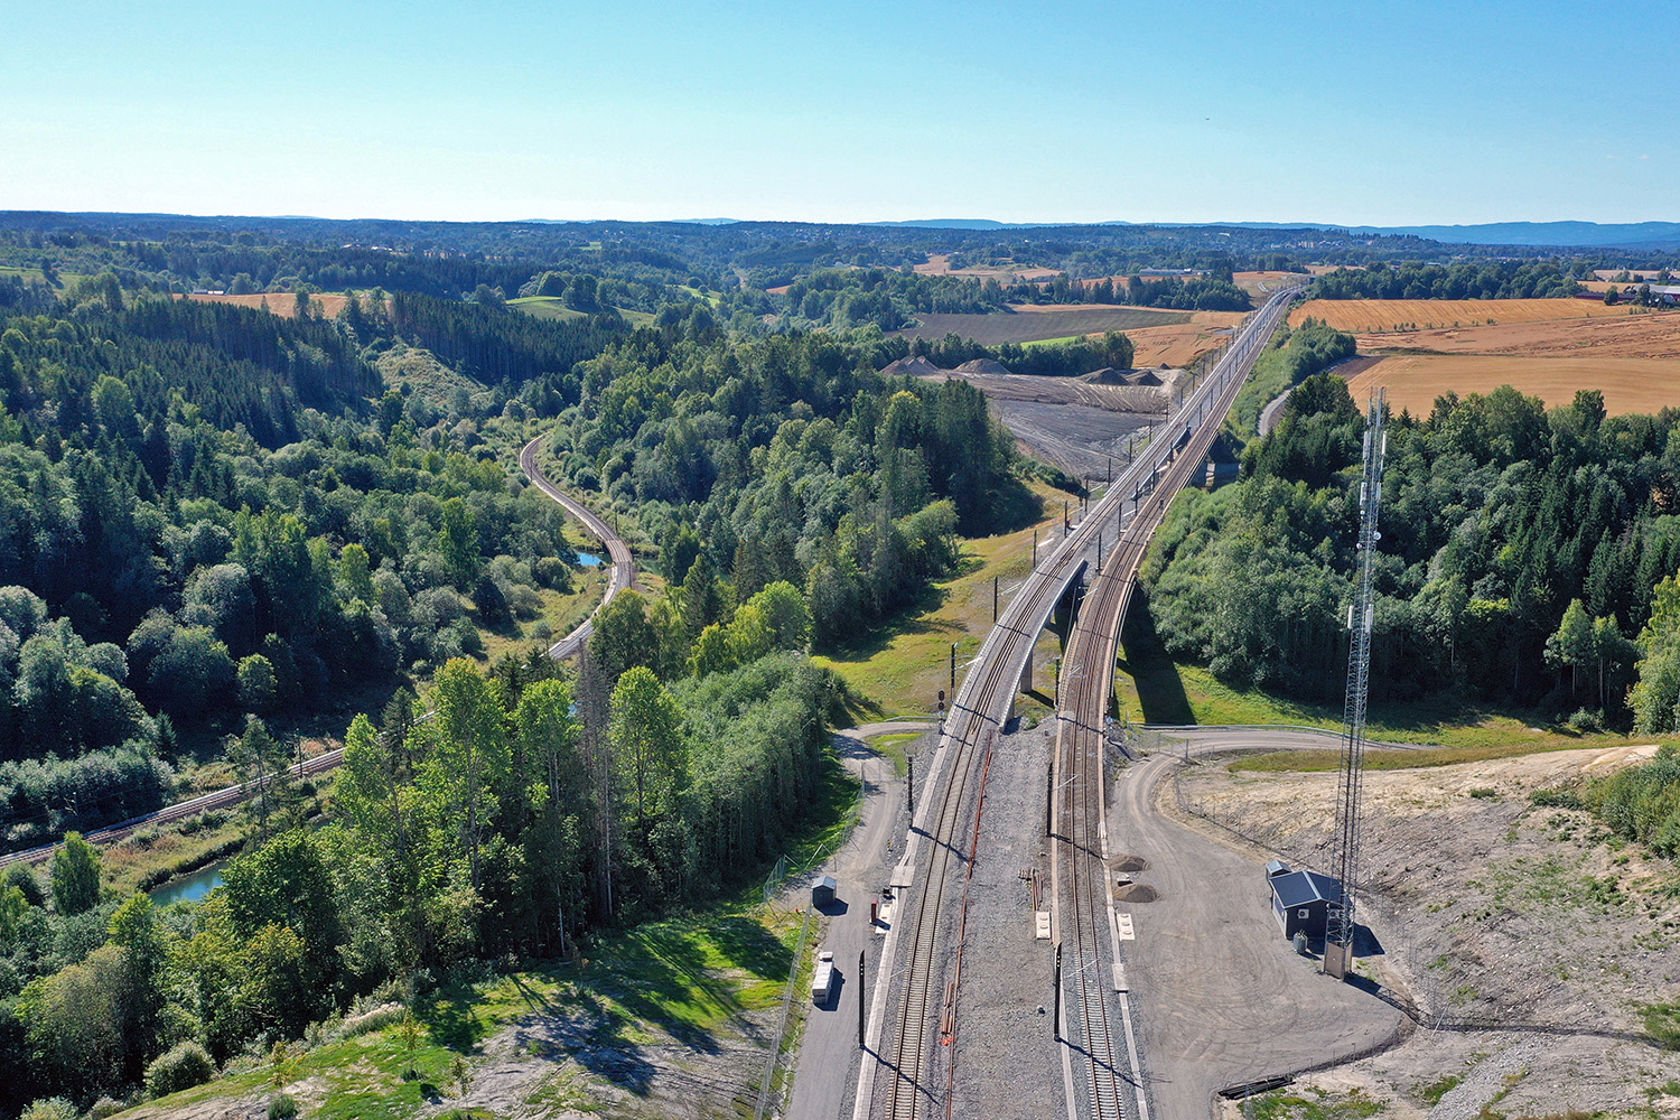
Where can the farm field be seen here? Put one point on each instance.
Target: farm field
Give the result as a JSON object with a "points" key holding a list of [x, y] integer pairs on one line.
{"points": [[283, 304], [553, 307], [1036, 322], [1179, 344], [939, 264], [1642, 335], [1414, 381], [1413, 314], [1264, 283]]}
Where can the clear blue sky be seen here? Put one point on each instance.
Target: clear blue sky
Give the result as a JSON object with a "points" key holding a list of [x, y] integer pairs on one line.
{"points": [[1362, 113]]}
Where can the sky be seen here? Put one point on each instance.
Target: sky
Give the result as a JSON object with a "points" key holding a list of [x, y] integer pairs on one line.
{"points": [[1384, 114]]}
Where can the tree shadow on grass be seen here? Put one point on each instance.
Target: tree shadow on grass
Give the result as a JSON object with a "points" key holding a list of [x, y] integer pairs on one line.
{"points": [[911, 619], [1014, 507], [660, 978], [1160, 690]]}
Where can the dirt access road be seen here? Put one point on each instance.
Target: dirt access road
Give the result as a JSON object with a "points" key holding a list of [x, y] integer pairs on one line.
{"points": [[1221, 996], [827, 1064]]}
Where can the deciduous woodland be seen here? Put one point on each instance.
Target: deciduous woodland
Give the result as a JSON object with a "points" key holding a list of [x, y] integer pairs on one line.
{"points": [[227, 529]]}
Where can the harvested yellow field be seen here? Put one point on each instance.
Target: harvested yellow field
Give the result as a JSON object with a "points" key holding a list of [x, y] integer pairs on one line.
{"points": [[1650, 334], [283, 304], [1179, 344], [939, 264], [1425, 314], [1414, 381]]}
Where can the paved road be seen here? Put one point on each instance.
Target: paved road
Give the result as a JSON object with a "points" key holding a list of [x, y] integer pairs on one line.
{"points": [[623, 572], [825, 1065], [1223, 997], [622, 575]]}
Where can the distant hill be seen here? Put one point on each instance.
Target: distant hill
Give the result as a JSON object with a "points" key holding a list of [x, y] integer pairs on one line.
{"points": [[1571, 235]]}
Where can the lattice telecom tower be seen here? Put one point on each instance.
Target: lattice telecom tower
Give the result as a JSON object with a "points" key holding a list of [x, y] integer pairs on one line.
{"points": [[1338, 940]]}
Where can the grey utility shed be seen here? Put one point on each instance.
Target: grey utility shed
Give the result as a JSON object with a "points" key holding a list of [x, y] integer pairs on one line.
{"points": [[822, 893], [1301, 900]]}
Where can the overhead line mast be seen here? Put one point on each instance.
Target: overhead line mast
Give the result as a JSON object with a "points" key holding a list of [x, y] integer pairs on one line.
{"points": [[1338, 939]]}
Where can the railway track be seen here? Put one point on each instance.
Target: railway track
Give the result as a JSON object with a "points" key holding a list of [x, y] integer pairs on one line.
{"points": [[896, 1048], [1084, 899], [621, 576]]}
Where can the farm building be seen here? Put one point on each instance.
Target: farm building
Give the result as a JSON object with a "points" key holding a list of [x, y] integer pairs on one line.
{"points": [[1301, 899]]}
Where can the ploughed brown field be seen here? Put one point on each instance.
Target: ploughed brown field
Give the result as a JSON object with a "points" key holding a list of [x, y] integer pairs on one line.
{"points": [[1423, 314]]}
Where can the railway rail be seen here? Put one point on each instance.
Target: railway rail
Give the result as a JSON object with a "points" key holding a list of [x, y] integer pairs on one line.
{"points": [[900, 1075], [621, 576], [1083, 889]]}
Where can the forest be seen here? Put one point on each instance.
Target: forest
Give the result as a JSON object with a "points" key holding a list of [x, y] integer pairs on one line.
{"points": [[1527, 558], [221, 524], [1496, 279]]}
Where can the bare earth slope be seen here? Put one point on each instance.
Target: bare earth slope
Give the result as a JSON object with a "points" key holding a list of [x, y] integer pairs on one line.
{"points": [[1526, 936]]}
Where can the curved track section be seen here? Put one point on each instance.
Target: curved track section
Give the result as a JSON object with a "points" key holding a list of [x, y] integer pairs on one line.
{"points": [[902, 1075], [623, 572]]}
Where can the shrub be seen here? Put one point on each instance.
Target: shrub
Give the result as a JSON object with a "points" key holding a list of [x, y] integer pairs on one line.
{"points": [[1662, 1023], [180, 1067], [1586, 720], [282, 1107], [1484, 793], [50, 1108], [105, 1106], [1556, 798]]}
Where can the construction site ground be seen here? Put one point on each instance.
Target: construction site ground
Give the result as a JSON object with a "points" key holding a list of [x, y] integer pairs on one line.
{"points": [[1526, 938], [1219, 995]]}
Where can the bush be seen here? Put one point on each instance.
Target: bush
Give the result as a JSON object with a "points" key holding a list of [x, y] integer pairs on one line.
{"points": [[282, 1107], [105, 1106], [180, 1067], [50, 1108], [1556, 798], [1586, 720]]}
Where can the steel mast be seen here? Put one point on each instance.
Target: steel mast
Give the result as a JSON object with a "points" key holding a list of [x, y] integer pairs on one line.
{"points": [[1338, 940]]}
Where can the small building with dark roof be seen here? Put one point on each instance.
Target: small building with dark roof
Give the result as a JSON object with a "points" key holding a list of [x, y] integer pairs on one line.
{"points": [[1301, 899]]}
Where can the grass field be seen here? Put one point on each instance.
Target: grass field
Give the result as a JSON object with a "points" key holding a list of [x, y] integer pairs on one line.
{"points": [[1414, 381], [1154, 689], [553, 307], [1037, 322], [899, 669], [1393, 314]]}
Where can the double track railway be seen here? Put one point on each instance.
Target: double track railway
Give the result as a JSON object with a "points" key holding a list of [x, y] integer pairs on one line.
{"points": [[900, 1076], [1085, 915]]}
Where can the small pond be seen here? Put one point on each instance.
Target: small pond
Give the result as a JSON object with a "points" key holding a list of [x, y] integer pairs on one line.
{"points": [[189, 888], [589, 560]]}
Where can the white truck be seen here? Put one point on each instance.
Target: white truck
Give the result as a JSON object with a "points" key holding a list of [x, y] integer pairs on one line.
{"points": [[822, 981]]}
